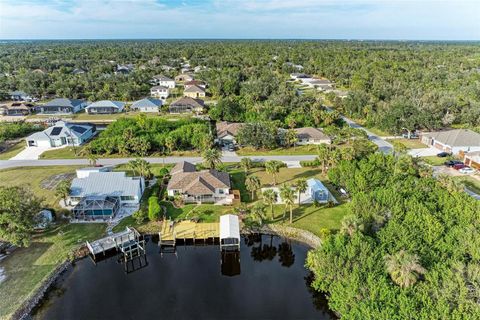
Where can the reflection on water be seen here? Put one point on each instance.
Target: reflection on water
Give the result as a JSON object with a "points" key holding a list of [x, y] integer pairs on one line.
{"points": [[266, 279]]}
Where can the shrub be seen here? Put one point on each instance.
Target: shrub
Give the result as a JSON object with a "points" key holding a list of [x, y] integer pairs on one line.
{"points": [[154, 208], [139, 216], [313, 163]]}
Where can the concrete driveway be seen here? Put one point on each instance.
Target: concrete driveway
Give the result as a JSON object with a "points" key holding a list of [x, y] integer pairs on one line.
{"points": [[424, 152], [30, 153]]}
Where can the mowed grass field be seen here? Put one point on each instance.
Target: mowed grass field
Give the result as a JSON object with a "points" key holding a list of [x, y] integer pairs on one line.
{"points": [[298, 150], [13, 150], [26, 268]]}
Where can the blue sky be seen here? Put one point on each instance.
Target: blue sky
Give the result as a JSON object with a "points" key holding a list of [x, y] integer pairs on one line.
{"points": [[303, 19]]}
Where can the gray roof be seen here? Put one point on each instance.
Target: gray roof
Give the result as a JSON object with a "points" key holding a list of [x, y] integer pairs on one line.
{"points": [[17, 93], [187, 101], [107, 103], [147, 103], [161, 77], [61, 129], [63, 102], [183, 166], [457, 137], [158, 87], [99, 184], [311, 133], [194, 88]]}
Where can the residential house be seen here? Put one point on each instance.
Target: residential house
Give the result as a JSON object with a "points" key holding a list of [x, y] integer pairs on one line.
{"points": [[297, 76], [19, 96], [194, 91], [101, 194], [147, 105], [297, 67], [17, 108], [340, 94], [186, 104], [124, 69], [453, 141], [205, 186], [197, 83], [159, 92], [161, 80], [77, 71], [62, 106], [184, 77], [472, 159], [85, 172], [227, 132], [317, 191], [105, 107], [62, 133], [310, 135]]}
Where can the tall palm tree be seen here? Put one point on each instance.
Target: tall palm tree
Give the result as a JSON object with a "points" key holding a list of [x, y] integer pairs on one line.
{"points": [[301, 186], [170, 143], [404, 268], [133, 165], [62, 190], [212, 157], [273, 167], [257, 213], [288, 197], [270, 197], [323, 154], [246, 164], [143, 167], [253, 184], [92, 159]]}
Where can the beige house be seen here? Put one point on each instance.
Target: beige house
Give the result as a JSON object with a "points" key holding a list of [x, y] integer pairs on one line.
{"points": [[186, 104], [227, 131], [454, 141], [194, 91], [17, 108], [205, 186], [183, 77], [310, 135], [197, 83]]}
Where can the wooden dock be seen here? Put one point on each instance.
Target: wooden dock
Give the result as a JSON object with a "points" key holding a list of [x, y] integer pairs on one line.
{"points": [[188, 230]]}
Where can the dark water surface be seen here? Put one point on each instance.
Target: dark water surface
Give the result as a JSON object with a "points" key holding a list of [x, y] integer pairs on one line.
{"points": [[269, 282]]}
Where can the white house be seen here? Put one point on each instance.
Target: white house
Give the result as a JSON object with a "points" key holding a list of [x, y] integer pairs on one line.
{"points": [[62, 133], [85, 172], [20, 96], [453, 141], [159, 92], [147, 105], [161, 80], [105, 107]]}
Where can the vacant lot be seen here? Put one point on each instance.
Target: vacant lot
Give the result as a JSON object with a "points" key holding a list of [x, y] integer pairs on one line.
{"points": [[298, 150], [12, 150], [26, 268], [410, 143]]}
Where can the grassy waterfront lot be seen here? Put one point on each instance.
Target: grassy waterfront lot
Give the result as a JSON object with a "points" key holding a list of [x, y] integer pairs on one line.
{"points": [[26, 268]]}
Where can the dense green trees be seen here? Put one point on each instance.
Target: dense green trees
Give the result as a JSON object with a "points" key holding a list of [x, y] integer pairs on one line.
{"points": [[141, 136], [15, 130], [18, 208], [408, 249]]}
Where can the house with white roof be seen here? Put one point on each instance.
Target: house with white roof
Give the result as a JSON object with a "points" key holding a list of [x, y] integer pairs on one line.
{"points": [[147, 105], [105, 107], [62, 106], [62, 133]]}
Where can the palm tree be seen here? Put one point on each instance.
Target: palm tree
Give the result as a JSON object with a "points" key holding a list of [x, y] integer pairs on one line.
{"points": [[323, 155], [404, 268], [273, 167], [301, 187], [133, 165], [288, 197], [291, 137], [257, 213], [212, 157], [170, 143], [143, 167], [246, 164], [253, 184], [351, 224], [92, 159], [270, 197], [62, 190]]}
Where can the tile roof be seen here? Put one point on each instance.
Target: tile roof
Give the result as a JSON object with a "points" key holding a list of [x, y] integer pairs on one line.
{"points": [[456, 138], [311, 133], [183, 166], [224, 128], [187, 101], [194, 88]]}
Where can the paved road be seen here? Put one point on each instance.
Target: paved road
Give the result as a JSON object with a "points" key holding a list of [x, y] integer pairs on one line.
{"points": [[61, 162]]}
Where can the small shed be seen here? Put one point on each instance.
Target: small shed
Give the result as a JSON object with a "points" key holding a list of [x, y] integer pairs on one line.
{"points": [[317, 190], [229, 232]]}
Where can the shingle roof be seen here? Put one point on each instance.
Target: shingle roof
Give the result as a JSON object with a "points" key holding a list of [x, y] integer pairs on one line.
{"points": [[225, 127], [107, 103], [457, 137], [187, 101], [311, 133], [147, 103], [105, 183], [197, 182], [161, 77], [63, 102], [194, 83], [194, 88]]}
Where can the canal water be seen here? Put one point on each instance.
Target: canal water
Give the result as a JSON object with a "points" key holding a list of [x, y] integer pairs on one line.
{"points": [[266, 280]]}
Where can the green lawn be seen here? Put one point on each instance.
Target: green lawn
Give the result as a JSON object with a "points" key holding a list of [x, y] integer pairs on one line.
{"points": [[26, 268], [469, 182], [298, 150], [113, 117], [378, 132], [410, 143], [435, 161], [13, 150], [33, 177]]}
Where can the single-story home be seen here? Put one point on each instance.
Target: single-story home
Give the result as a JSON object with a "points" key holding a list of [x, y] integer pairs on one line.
{"points": [[105, 106], [227, 131], [296, 76], [316, 191], [186, 104], [310, 135], [453, 141], [161, 80], [472, 159], [101, 194], [85, 172], [62, 106], [17, 108], [124, 68], [19, 96], [147, 105], [159, 92], [60, 134], [205, 186], [194, 91], [184, 77]]}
